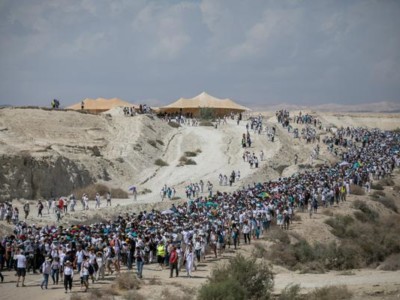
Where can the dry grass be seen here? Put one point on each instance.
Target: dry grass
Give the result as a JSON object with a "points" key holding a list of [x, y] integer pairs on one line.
{"points": [[391, 263], [134, 295], [119, 193], [290, 292], [127, 281], [387, 181], [356, 190], [331, 293]]}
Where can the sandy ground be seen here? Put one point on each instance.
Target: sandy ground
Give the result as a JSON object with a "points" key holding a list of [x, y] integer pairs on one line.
{"points": [[221, 152]]}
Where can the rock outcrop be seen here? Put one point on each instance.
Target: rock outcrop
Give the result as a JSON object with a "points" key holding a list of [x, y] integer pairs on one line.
{"points": [[28, 177]]}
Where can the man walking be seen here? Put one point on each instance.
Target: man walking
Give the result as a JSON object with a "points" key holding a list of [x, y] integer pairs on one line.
{"points": [[173, 262], [21, 267]]}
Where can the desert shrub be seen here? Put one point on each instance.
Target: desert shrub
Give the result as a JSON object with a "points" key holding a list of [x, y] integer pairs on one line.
{"points": [[241, 278], [184, 161], [377, 186], [119, 193], [356, 190], [91, 190], [106, 294], [190, 154], [391, 263], [281, 168], [198, 150], [388, 203], [159, 162], [154, 281], [277, 235], [145, 191], [327, 212], [259, 250], [152, 143], [160, 142], [366, 214], [331, 293], [387, 182], [134, 295], [77, 297], [377, 194], [290, 292], [339, 224], [176, 198], [174, 124], [127, 281], [206, 123], [396, 188]]}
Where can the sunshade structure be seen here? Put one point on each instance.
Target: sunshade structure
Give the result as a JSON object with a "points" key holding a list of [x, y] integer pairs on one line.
{"points": [[100, 105], [194, 105]]}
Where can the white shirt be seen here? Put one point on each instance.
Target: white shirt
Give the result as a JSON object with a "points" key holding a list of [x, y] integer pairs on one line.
{"points": [[21, 261]]}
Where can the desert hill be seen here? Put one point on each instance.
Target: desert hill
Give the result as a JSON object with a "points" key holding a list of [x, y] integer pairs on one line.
{"points": [[49, 153]]}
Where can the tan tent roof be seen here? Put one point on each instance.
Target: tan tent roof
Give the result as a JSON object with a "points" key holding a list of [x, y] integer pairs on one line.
{"points": [[205, 100], [101, 104]]}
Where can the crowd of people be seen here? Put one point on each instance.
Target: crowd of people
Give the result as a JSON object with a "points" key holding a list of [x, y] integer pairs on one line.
{"points": [[180, 237]]}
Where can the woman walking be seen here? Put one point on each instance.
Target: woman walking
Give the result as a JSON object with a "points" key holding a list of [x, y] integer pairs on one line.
{"points": [[68, 276]]}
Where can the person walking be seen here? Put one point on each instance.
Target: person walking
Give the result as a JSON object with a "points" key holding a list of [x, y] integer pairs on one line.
{"points": [[68, 276], [189, 260], [173, 262], [55, 270], [139, 256], [21, 266], [46, 270]]}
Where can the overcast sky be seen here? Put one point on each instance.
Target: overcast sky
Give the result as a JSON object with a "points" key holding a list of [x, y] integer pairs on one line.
{"points": [[254, 52]]}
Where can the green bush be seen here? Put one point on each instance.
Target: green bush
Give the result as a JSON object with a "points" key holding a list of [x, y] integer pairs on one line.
{"points": [[241, 278], [159, 162]]}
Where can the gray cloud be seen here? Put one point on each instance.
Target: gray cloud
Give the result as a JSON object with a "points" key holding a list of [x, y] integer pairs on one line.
{"points": [[257, 52]]}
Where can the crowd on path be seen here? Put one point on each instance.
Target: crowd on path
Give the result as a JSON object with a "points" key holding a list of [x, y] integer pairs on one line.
{"points": [[180, 237]]}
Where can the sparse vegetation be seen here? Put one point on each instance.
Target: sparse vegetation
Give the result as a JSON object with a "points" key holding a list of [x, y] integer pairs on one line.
{"points": [[366, 213], [160, 142], [241, 278], [331, 293], [119, 193], [377, 194], [159, 162], [281, 168], [391, 263], [387, 202], [152, 143], [357, 190], [145, 191], [377, 186], [387, 181], [290, 292], [127, 281], [190, 153], [134, 295], [174, 124], [184, 161], [198, 150]]}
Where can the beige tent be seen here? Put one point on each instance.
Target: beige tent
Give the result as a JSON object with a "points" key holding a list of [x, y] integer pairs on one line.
{"points": [[100, 105], [220, 106]]}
